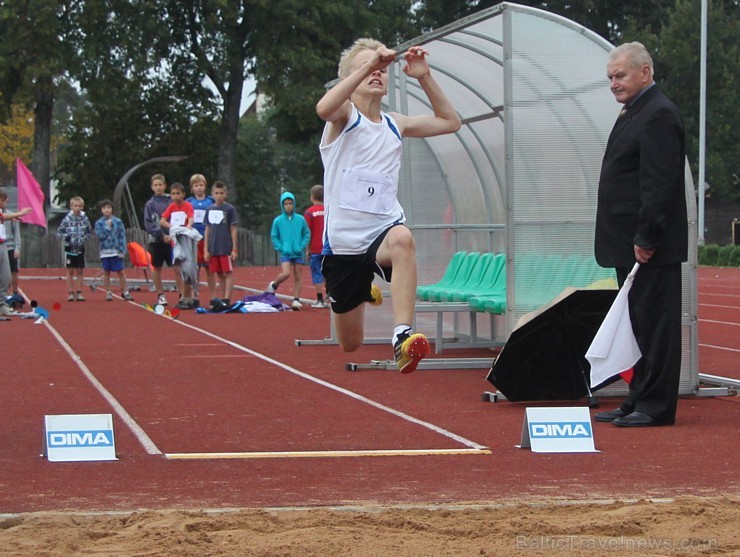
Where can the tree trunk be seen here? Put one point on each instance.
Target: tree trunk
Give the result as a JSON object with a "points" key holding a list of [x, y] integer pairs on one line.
{"points": [[40, 166], [41, 154], [228, 135]]}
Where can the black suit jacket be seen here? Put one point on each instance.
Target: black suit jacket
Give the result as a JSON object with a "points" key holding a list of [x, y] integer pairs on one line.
{"points": [[641, 198]]}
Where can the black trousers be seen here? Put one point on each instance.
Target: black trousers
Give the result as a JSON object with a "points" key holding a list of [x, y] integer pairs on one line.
{"points": [[655, 311]]}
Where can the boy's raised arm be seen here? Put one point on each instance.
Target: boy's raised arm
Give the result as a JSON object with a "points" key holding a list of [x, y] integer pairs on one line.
{"points": [[445, 118]]}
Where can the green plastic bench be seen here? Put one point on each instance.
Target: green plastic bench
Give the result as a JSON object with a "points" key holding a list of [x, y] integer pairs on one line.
{"points": [[487, 281], [466, 267], [453, 267], [477, 273]]}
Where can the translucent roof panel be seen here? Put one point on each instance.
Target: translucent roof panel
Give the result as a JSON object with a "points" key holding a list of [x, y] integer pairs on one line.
{"points": [[521, 175]]}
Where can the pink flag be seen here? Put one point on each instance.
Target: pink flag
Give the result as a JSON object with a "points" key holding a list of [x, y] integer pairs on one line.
{"points": [[30, 195]]}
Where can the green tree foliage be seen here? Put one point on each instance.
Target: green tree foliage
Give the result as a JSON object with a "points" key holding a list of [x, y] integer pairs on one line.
{"points": [[16, 138], [270, 166], [140, 71], [135, 105], [297, 44], [34, 59], [677, 68], [211, 39], [295, 58]]}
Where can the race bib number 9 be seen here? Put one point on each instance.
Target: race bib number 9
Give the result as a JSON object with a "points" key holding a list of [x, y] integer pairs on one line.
{"points": [[368, 191]]}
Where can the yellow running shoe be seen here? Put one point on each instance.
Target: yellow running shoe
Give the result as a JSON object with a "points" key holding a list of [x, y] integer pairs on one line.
{"points": [[410, 350], [377, 295]]}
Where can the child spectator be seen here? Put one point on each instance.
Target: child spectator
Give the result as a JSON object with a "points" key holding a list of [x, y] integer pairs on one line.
{"points": [[13, 245], [361, 149], [160, 243], [179, 213], [200, 202], [75, 230], [290, 237], [220, 248], [314, 216], [5, 274], [112, 235]]}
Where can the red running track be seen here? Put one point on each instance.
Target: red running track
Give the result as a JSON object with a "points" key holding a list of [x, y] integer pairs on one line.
{"points": [[239, 384]]}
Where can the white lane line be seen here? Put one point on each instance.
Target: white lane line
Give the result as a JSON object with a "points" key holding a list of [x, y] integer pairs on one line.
{"points": [[719, 347], [327, 454], [138, 432], [347, 392], [719, 322], [718, 306], [209, 356]]}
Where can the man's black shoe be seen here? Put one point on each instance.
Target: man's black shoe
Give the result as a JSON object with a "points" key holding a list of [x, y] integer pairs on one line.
{"points": [[637, 419], [609, 416]]}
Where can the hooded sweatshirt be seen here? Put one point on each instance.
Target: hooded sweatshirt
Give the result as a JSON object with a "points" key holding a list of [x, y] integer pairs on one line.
{"points": [[153, 211], [290, 234]]}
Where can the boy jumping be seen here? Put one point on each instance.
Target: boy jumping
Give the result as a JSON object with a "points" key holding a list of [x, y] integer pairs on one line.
{"points": [[364, 222]]}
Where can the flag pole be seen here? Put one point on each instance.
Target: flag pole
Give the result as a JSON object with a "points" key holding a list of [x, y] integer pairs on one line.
{"points": [[702, 120]]}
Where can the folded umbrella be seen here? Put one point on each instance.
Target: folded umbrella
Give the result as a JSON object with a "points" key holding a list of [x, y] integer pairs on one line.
{"points": [[543, 359]]}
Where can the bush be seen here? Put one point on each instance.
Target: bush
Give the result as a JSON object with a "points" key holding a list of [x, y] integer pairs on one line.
{"points": [[708, 254], [723, 258], [735, 257]]}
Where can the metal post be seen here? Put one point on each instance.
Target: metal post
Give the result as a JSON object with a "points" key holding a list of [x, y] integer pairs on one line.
{"points": [[702, 119]]}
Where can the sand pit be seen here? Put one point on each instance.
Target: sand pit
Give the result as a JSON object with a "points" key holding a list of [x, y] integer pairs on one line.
{"points": [[682, 526]]}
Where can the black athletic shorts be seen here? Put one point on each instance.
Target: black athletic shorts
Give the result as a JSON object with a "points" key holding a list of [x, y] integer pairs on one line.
{"points": [[350, 277], [75, 260], [13, 261], [161, 254]]}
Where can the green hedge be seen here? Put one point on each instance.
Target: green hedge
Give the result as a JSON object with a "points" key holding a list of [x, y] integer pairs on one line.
{"points": [[713, 255]]}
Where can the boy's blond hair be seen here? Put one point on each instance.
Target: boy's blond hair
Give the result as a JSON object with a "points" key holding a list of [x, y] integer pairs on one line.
{"points": [[345, 61], [159, 177], [198, 178], [78, 199]]}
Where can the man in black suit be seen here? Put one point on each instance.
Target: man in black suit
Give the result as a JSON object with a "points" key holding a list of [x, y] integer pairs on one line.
{"points": [[641, 216]]}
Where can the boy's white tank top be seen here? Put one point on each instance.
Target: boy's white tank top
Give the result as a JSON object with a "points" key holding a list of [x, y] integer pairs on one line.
{"points": [[361, 169]]}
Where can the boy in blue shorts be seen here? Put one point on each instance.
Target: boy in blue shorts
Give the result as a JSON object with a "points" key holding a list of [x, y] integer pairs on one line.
{"points": [[112, 235], [290, 236], [314, 216]]}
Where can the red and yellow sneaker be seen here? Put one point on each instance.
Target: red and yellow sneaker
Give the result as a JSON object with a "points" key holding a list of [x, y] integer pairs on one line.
{"points": [[410, 350]]}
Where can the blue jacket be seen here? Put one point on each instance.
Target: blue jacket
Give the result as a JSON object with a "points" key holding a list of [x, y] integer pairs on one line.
{"points": [[113, 238], [290, 234]]}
